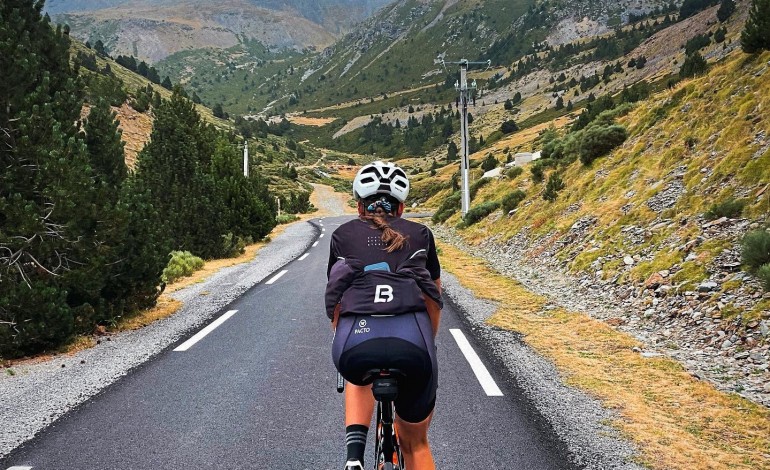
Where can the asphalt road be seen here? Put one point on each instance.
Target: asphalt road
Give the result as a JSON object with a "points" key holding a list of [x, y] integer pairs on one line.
{"points": [[258, 391]]}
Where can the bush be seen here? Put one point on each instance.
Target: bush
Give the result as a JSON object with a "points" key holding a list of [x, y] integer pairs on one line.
{"points": [[476, 213], [598, 141], [511, 200], [478, 185], [489, 163], [514, 172], [447, 208], [552, 188], [763, 273], [182, 264], [694, 64], [755, 250], [509, 126], [286, 218], [537, 172], [731, 208]]}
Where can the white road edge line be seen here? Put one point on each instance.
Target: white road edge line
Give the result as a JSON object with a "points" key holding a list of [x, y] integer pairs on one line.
{"points": [[276, 277], [202, 333], [482, 374], [315, 244], [304, 256]]}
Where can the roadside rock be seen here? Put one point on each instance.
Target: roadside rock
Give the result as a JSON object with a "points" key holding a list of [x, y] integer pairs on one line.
{"points": [[699, 327]]}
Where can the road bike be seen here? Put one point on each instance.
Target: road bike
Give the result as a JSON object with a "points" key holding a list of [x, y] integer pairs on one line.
{"points": [[387, 453]]}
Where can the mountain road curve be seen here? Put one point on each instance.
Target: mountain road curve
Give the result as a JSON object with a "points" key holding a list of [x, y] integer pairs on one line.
{"points": [[255, 388]]}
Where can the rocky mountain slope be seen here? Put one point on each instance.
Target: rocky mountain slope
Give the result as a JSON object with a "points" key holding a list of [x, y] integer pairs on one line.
{"points": [[633, 231], [152, 30]]}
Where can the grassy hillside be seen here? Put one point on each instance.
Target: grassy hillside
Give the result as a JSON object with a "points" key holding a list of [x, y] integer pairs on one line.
{"points": [[270, 154], [702, 143]]}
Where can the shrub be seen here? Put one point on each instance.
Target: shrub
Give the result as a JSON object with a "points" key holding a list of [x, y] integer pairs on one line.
{"points": [[489, 163], [755, 250], [509, 126], [511, 200], [598, 141], [182, 264], [537, 172], [763, 273], [731, 208], [286, 218], [447, 208], [478, 185], [552, 188], [694, 64], [514, 172], [476, 213]]}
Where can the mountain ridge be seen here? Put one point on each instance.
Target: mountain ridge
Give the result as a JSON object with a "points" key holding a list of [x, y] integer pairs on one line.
{"points": [[152, 30]]}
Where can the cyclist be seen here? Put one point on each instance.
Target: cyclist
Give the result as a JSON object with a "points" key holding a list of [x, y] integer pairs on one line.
{"points": [[384, 299]]}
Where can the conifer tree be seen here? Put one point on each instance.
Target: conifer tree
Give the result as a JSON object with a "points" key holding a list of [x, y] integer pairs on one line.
{"points": [[105, 148], [726, 9], [756, 35], [172, 166], [45, 184]]}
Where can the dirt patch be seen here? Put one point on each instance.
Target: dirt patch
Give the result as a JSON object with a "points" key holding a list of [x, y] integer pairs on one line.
{"points": [[136, 128], [310, 121]]}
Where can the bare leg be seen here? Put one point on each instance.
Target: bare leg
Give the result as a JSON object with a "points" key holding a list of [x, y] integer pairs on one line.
{"points": [[359, 404], [413, 438]]}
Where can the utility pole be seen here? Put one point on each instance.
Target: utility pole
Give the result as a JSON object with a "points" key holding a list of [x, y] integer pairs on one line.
{"points": [[246, 158], [467, 92]]}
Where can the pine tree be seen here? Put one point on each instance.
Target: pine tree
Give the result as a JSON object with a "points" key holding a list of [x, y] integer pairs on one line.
{"points": [[105, 147], [726, 9], [46, 225], [451, 152], [756, 35], [172, 167], [694, 64]]}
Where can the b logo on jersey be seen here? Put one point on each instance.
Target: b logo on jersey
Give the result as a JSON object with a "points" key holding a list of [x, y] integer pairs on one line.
{"points": [[383, 294]]}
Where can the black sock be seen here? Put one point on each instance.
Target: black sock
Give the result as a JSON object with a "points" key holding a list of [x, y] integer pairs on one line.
{"points": [[355, 441]]}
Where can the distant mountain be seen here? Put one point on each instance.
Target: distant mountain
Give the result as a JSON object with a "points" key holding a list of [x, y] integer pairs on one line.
{"points": [[154, 29]]}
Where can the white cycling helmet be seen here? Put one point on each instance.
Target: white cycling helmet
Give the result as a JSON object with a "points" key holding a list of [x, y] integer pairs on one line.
{"points": [[381, 178]]}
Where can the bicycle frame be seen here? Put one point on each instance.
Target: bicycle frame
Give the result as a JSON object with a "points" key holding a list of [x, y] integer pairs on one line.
{"points": [[387, 453]]}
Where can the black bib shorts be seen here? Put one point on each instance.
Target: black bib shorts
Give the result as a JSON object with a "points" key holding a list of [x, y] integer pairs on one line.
{"points": [[403, 342]]}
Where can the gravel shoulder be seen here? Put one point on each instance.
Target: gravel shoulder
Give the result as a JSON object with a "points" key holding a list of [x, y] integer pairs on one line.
{"points": [[38, 394], [577, 418], [727, 372]]}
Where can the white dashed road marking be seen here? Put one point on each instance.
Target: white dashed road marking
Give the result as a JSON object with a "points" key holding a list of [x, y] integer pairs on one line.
{"points": [[315, 244], [202, 333], [19, 468], [482, 374], [276, 277], [322, 235], [304, 256]]}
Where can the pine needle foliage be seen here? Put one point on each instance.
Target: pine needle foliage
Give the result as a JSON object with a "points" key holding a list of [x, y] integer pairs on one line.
{"points": [[193, 174], [756, 35], [67, 222]]}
